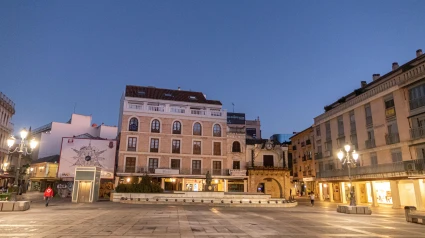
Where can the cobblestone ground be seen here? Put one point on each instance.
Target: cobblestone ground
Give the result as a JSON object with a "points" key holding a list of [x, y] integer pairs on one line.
{"points": [[106, 219]]}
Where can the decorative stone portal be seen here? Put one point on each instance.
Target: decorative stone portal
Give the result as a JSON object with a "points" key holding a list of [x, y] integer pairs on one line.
{"points": [[273, 181]]}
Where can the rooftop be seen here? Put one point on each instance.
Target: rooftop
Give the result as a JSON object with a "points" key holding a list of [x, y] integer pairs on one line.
{"points": [[7, 103], [168, 94]]}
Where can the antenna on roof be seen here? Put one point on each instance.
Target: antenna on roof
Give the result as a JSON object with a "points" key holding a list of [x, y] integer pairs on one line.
{"points": [[233, 107], [75, 105]]}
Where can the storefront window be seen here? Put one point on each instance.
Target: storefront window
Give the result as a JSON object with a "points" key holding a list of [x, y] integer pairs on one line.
{"points": [[383, 192]]}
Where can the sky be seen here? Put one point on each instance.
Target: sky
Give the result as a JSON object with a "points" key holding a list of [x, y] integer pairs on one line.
{"points": [[282, 61]]}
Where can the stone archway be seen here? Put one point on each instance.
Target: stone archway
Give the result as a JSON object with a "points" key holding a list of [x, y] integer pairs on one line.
{"points": [[276, 182], [273, 190]]}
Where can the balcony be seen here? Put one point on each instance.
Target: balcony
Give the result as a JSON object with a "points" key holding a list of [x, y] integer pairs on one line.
{"points": [[417, 133], [319, 155], [403, 166], [369, 121], [262, 165], [417, 103], [390, 112], [294, 147], [370, 144], [327, 153], [308, 142], [392, 138], [236, 130], [173, 171], [177, 110]]}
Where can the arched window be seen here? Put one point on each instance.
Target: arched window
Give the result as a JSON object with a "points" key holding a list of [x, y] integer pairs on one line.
{"points": [[177, 127], [217, 130], [133, 125], [197, 129], [236, 147], [155, 126]]}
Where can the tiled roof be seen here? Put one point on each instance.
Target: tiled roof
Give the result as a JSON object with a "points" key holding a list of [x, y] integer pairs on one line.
{"points": [[50, 159], [167, 94]]}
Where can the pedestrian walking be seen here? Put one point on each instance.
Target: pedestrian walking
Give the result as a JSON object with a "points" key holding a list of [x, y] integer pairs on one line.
{"points": [[48, 194], [312, 199]]}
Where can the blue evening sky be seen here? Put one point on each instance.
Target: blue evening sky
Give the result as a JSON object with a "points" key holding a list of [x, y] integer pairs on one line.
{"points": [[282, 61]]}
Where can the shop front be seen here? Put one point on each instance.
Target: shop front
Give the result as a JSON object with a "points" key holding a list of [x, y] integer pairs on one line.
{"points": [[382, 189]]}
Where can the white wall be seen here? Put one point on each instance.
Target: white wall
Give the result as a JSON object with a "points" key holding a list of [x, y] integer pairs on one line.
{"points": [[50, 143]]}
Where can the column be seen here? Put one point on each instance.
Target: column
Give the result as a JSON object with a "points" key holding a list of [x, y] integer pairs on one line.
{"points": [[395, 194], [184, 185], [331, 192], [163, 183], [418, 194], [374, 197], [225, 185], [343, 195], [320, 192], [357, 192], [117, 180], [245, 186]]}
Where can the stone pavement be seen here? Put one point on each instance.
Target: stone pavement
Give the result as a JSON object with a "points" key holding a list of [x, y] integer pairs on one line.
{"points": [[106, 219]]}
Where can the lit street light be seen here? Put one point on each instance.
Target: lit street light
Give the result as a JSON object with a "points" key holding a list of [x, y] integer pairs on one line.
{"points": [[346, 159], [22, 149]]}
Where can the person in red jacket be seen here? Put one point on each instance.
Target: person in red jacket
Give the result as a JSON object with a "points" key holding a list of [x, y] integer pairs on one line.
{"points": [[48, 194]]}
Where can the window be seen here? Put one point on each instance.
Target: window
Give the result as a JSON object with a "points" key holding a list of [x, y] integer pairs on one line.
{"points": [[197, 129], [154, 145], [217, 130], [352, 122], [373, 159], [153, 164], [175, 164], [192, 98], [196, 167], [319, 149], [396, 155], [368, 112], [177, 127], [389, 103], [268, 161], [340, 126], [389, 108], [131, 144], [317, 130], [417, 96], [236, 165], [328, 130], [236, 146], [133, 125], [216, 168], [176, 147], [217, 148], [155, 126], [130, 165], [196, 147]]}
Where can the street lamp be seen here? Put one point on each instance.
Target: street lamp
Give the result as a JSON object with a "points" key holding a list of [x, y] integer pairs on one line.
{"points": [[22, 149], [346, 159]]}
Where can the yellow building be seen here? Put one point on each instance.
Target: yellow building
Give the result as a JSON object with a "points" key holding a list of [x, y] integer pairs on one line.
{"points": [[385, 121], [303, 167], [43, 172]]}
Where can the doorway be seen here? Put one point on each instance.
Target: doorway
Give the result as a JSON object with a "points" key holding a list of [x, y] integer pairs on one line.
{"points": [[268, 160], [84, 191]]}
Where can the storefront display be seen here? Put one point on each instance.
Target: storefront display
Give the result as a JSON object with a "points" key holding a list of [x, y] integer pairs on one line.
{"points": [[383, 192]]}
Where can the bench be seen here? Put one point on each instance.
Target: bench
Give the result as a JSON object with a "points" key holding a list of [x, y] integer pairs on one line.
{"points": [[412, 215]]}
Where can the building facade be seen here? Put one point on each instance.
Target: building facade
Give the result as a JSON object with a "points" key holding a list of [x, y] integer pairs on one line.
{"points": [[304, 169], [7, 166], [50, 135], [176, 137], [383, 120]]}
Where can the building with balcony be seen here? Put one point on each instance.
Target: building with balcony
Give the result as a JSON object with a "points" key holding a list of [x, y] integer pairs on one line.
{"points": [[7, 110], [176, 137], [43, 173], [303, 154], [50, 135], [383, 120]]}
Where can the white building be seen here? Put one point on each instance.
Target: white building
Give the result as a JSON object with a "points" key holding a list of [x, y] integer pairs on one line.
{"points": [[50, 135]]}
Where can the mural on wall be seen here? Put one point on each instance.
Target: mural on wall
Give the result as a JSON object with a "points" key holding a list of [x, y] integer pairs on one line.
{"points": [[87, 152]]}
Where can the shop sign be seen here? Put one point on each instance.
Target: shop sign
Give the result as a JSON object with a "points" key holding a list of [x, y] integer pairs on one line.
{"points": [[167, 171], [308, 179], [237, 172], [193, 180]]}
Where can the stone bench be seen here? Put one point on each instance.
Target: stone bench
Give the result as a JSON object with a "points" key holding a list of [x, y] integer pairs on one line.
{"points": [[14, 206], [412, 215], [364, 210]]}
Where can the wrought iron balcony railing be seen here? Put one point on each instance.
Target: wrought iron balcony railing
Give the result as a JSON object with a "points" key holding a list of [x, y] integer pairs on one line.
{"points": [[370, 144], [417, 133], [392, 138]]}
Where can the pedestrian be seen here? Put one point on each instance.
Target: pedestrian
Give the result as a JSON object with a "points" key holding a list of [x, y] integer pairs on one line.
{"points": [[48, 194], [290, 194], [312, 199]]}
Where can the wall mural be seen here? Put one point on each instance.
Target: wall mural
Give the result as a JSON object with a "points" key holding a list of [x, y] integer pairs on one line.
{"points": [[87, 152]]}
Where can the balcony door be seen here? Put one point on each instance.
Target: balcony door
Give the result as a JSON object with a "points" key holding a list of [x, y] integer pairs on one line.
{"points": [[268, 161]]}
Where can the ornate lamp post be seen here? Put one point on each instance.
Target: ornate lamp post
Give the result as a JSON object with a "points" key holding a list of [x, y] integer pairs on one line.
{"points": [[345, 158], [22, 149]]}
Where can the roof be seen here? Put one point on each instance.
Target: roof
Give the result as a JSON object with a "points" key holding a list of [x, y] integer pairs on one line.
{"points": [[400, 69], [309, 128], [49, 159], [88, 136], [167, 94]]}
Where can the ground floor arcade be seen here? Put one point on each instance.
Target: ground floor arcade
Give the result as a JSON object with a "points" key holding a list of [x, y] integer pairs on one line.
{"points": [[395, 193]]}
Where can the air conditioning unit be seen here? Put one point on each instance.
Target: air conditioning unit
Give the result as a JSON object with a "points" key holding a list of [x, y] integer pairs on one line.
{"points": [[410, 167]]}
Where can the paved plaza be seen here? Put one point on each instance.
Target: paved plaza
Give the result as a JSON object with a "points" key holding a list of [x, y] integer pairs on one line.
{"points": [[106, 219]]}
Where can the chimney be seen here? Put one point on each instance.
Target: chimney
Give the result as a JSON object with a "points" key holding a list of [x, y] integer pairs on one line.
{"points": [[178, 88], [418, 52], [363, 84], [375, 76], [395, 65]]}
